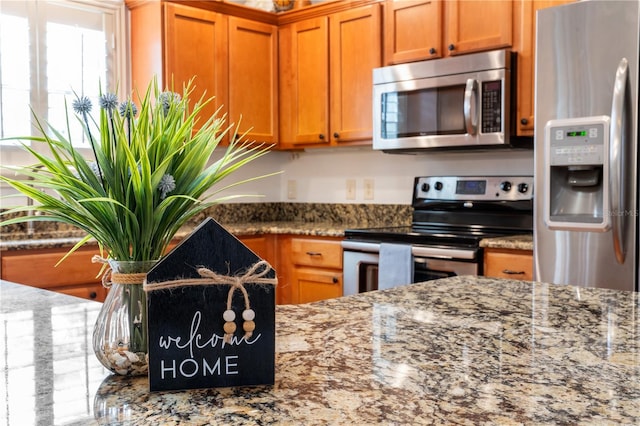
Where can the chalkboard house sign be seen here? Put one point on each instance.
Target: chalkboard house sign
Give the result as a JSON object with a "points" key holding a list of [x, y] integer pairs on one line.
{"points": [[211, 327]]}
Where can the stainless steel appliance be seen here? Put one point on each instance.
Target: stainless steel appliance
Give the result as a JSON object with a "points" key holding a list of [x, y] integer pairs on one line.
{"points": [[586, 131], [460, 102], [451, 215]]}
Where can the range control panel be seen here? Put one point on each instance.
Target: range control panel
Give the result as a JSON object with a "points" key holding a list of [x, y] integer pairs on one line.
{"points": [[486, 188]]}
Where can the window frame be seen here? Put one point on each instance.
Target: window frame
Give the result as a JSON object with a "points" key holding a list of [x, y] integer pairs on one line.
{"points": [[15, 155]]}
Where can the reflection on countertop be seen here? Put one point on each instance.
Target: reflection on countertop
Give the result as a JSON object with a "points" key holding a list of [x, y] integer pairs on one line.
{"points": [[462, 350]]}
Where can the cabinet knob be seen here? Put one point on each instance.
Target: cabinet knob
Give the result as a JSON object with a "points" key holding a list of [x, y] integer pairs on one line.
{"points": [[432, 51], [93, 295], [321, 136], [451, 47], [524, 121], [335, 280], [336, 135]]}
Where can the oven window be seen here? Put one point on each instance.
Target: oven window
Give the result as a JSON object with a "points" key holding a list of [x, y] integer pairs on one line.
{"points": [[424, 112], [367, 277], [426, 275]]}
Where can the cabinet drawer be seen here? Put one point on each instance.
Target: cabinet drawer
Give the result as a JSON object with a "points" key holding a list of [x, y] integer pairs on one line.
{"points": [[314, 285], [314, 252], [511, 264], [91, 291], [38, 268]]}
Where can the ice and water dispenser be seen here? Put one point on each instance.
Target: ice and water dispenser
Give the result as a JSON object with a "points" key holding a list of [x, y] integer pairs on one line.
{"points": [[577, 176]]}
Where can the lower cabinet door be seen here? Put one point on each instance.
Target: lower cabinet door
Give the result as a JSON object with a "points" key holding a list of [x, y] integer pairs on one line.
{"points": [[317, 284]]}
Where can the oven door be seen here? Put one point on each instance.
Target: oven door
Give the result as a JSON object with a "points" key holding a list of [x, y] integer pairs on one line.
{"points": [[360, 262]]}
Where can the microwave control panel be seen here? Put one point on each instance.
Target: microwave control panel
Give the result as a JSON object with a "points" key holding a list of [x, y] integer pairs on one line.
{"points": [[492, 106]]}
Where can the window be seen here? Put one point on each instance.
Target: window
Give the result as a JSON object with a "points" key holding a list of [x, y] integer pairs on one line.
{"points": [[49, 52]]}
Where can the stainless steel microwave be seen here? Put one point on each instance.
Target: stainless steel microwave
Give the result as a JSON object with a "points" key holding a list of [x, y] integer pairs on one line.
{"points": [[462, 102]]}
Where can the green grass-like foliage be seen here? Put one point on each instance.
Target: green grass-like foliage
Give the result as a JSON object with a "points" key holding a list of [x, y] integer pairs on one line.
{"points": [[119, 202]]}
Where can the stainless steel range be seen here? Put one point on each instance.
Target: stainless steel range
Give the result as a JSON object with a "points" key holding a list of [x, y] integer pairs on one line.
{"points": [[451, 215]]}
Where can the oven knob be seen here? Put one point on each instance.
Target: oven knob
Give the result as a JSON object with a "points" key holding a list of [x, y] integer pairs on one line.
{"points": [[523, 188], [425, 187], [505, 186], [438, 186]]}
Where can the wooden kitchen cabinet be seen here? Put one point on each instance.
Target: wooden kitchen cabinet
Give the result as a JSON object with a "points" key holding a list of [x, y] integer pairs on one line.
{"points": [[159, 34], [253, 79], [507, 263], [326, 81], [314, 267], [524, 43], [232, 58], [473, 26], [304, 86], [76, 275], [420, 29], [412, 30]]}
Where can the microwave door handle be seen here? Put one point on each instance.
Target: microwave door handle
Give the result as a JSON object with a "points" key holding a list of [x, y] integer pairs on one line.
{"points": [[470, 107], [617, 159]]}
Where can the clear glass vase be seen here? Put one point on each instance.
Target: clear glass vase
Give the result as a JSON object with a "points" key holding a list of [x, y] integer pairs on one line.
{"points": [[120, 332]]}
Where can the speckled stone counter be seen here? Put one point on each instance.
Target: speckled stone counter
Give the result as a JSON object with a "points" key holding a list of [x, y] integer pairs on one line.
{"points": [[463, 350], [329, 220], [515, 242]]}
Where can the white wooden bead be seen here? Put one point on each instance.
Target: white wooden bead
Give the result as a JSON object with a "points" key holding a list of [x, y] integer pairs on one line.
{"points": [[229, 315], [248, 315]]}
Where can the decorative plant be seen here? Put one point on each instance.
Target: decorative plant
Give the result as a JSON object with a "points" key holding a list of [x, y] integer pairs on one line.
{"points": [[149, 175]]}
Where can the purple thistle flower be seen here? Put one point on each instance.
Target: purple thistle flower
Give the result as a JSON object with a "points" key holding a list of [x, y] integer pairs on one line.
{"points": [[128, 109], [166, 185], [109, 101], [82, 105], [166, 99]]}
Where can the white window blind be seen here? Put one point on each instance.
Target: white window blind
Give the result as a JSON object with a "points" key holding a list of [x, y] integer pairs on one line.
{"points": [[49, 52]]}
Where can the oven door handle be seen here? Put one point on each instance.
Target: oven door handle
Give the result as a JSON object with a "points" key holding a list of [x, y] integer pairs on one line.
{"points": [[443, 253], [360, 246], [416, 251]]}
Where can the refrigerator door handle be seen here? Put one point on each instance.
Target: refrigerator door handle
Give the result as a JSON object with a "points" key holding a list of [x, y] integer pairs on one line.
{"points": [[470, 107], [617, 160]]}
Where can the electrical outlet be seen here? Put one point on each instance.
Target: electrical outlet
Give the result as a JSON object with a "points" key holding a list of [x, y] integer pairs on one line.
{"points": [[368, 189], [292, 190], [351, 189]]}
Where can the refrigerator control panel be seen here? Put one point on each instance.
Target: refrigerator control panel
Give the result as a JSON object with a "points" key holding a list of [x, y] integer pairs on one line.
{"points": [[576, 174], [573, 142]]}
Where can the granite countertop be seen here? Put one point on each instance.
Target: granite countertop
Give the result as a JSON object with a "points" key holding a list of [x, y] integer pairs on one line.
{"points": [[327, 220], [462, 350], [514, 242], [69, 238]]}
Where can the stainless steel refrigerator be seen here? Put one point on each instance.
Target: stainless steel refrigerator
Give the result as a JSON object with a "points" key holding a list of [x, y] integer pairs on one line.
{"points": [[586, 136]]}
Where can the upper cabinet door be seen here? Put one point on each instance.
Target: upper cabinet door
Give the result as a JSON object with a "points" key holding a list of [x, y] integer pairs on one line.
{"points": [[304, 82], [195, 47], [355, 50], [472, 25], [524, 44], [413, 30], [253, 78]]}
